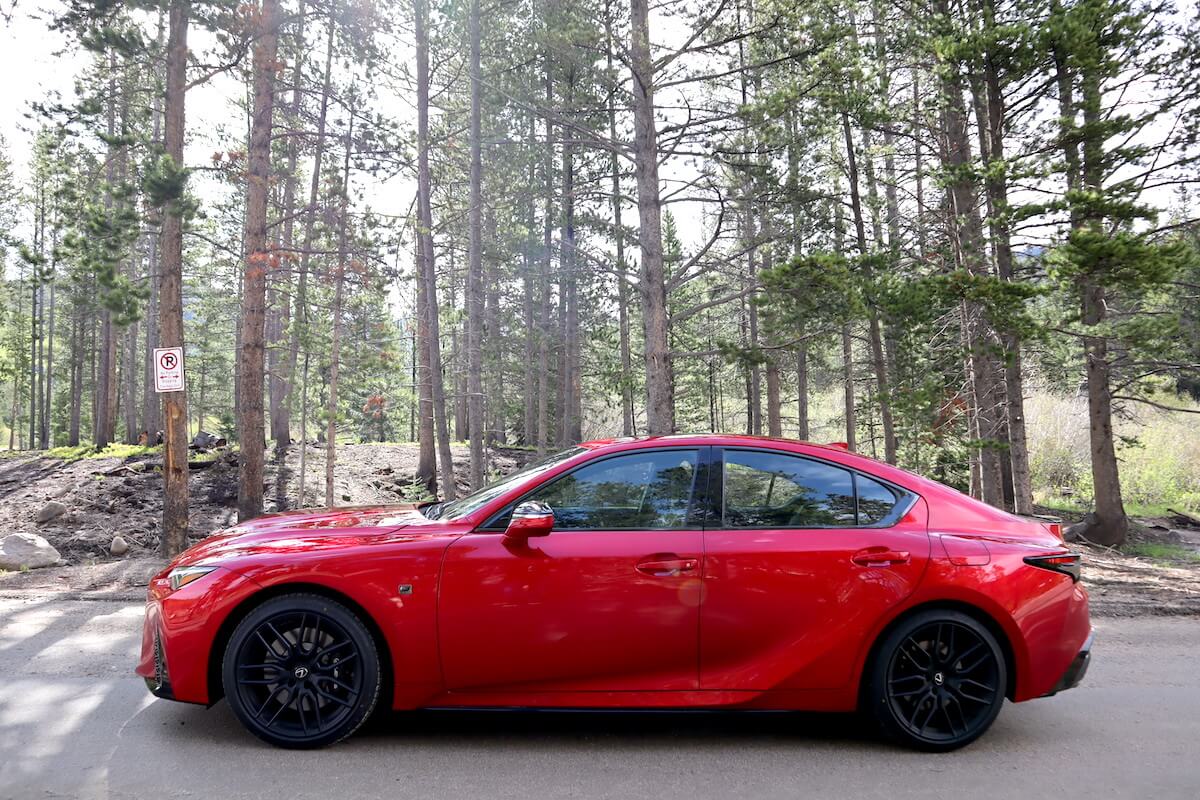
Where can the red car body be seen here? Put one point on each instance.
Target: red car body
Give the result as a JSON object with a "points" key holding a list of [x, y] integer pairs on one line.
{"points": [[699, 617]]}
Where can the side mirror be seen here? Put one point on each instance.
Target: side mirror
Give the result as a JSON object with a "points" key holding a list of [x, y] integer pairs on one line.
{"points": [[528, 520]]}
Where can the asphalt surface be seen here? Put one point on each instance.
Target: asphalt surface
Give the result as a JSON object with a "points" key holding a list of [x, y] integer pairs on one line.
{"points": [[75, 722]]}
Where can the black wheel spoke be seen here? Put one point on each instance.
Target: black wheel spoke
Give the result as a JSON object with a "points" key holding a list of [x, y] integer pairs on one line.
{"points": [[278, 711], [279, 637], [335, 647], [267, 702], [270, 646], [907, 679], [317, 712], [300, 709], [970, 652], [338, 684], [332, 698], [982, 686], [340, 662]]}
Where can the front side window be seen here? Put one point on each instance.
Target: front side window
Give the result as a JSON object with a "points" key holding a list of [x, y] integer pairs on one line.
{"points": [[774, 490], [649, 490], [456, 509]]}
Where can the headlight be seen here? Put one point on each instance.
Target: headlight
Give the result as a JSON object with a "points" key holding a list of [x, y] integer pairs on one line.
{"points": [[182, 576]]}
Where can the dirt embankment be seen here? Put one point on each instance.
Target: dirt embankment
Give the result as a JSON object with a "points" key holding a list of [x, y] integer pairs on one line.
{"points": [[108, 497], [103, 498]]}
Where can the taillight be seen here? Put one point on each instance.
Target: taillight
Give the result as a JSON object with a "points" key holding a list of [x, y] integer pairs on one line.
{"points": [[1056, 529], [1065, 563]]}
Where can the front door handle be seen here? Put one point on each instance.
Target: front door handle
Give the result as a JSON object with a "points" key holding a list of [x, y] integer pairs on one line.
{"points": [[880, 557], [659, 567]]}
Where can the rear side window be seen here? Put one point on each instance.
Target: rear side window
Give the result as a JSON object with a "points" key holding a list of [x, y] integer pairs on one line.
{"points": [[875, 501], [773, 490], [765, 489]]}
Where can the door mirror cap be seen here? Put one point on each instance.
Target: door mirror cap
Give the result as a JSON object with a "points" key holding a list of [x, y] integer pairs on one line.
{"points": [[528, 520]]}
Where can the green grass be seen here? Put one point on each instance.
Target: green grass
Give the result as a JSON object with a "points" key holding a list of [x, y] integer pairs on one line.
{"points": [[1160, 551], [72, 454], [1076, 506], [1150, 509]]}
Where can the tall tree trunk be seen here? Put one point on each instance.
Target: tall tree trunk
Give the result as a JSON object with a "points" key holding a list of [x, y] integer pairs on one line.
{"points": [[76, 379], [528, 282], [151, 409], [259, 255], [627, 421], [475, 263], [280, 302], [1110, 525], [339, 280], [428, 271], [543, 410], [496, 429], [873, 328], [660, 404], [572, 411], [426, 475], [300, 328], [802, 432], [103, 420], [170, 289], [796, 204], [848, 389], [48, 394], [967, 229], [996, 185], [849, 411]]}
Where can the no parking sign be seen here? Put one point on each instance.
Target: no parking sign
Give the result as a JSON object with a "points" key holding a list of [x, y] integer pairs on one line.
{"points": [[168, 369]]}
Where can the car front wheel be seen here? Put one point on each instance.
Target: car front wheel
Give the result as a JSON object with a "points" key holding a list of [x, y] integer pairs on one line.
{"points": [[937, 681], [301, 671]]}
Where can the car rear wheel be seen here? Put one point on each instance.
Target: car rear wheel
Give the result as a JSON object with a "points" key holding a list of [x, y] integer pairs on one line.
{"points": [[301, 671], [937, 681]]}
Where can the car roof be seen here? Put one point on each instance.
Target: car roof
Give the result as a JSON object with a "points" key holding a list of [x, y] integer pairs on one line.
{"points": [[731, 439]]}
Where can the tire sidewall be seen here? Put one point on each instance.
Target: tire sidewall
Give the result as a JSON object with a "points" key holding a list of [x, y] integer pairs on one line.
{"points": [[358, 632], [875, 695]]}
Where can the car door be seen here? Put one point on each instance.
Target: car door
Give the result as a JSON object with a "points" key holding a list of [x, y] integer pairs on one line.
{"points": [[801, 559], [607, 602]]}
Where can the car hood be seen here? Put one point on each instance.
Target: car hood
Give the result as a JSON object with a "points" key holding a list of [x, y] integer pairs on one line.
{"points": [[308, 530]]}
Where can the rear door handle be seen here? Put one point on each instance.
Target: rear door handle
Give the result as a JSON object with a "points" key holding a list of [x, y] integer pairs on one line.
{"points": [[667, 567], [880, 557]]}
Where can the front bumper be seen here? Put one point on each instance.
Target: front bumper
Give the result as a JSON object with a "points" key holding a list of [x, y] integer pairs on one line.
{"points": [[180, 629], [1077, 669]]}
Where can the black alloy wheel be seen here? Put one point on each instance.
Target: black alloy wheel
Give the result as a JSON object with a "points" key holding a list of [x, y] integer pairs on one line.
{"points": [[938, 681], [301, 671]]}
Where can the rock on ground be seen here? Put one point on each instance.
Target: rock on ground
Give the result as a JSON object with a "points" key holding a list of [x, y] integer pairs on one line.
{"points": [[26, 551], [50, 511]]}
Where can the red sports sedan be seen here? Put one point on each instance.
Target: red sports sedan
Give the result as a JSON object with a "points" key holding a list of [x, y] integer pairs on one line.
{"points": [[686, 572]]}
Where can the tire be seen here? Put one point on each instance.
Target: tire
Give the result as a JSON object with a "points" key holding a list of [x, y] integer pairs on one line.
{"points": [[937, 681], [301, 671]]}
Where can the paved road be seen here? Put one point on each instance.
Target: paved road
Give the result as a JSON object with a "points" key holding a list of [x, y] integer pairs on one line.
{"points": [[75, 723]]}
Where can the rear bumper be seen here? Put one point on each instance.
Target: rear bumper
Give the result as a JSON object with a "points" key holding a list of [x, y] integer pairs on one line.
{"points": [[1077, 669]]}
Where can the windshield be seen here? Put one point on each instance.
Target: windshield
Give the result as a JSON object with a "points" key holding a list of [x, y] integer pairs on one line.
{"points": [[456, 509]]}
